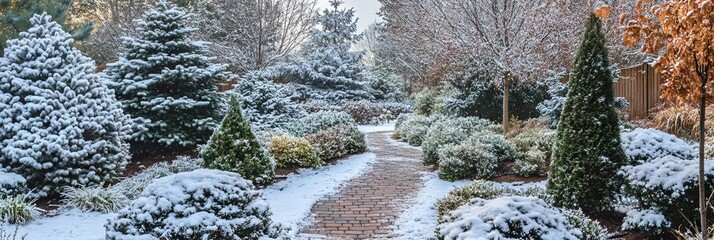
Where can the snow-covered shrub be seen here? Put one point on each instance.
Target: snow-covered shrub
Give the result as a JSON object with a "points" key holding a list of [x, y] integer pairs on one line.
{"points": [[448, 131], [338, 141], [320, 121], [94, 199], [591, 229], [413, 129], [386, 85], [202, 204], [364, 112], [427, 102], [185, 164], [495, 143], [18, 209], [233, 147], [131, 187], [266, 104], [293, 152], [460, 196], [396, 109], [12, 184], [531, 163], [669, 184], [313, 106], [513, 217], [551, 109], [166, 81], [59, 124], [644, 144], [650, 221], [535, 147], [468, 160]]}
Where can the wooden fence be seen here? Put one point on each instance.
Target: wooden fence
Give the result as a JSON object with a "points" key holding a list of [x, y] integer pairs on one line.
{"points": [[640, 86]]}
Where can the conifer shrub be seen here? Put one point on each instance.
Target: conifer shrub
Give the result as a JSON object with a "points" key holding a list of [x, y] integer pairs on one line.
{"points": [[293, 152], [319, 121], [589, 154], [338, 141], [233, 147], [12, 184], [647, 220], [167, 83], [669, 185], [266, 104], [645, 144], [427, 102], [201, 204], [60, 125]]}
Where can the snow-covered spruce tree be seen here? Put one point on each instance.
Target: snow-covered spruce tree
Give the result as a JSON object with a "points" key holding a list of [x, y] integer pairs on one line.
{"points": [[234, 147], [588, 154], [167, 83], [266, 104], [334, 73], [59, 124]]}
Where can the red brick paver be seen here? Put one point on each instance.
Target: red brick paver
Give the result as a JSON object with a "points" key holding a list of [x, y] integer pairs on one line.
{"points": [[369, 205]]}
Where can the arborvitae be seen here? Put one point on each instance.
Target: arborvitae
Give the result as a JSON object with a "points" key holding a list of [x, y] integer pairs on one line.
{"points": [[59, 124], [167, 83], [588, 154], [234, 147]]}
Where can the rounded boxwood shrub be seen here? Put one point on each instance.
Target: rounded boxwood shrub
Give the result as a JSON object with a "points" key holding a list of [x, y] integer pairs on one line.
{"points": [[535, 148], [531, 163], [413, 129], [668, 184], [644, 144], [201, 204], [338, 141], [469, 160], [512, 217], [448, 131], [293, 152]]}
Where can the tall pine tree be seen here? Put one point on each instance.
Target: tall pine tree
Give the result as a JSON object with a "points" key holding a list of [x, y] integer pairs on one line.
{"points": [[15, 17], [167, 83], [59, 124], [329, 67], [234, 147], [588, 154]]}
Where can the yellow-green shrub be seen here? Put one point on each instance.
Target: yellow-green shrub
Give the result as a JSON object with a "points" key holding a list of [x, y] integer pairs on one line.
{"points": [[293, 152]]}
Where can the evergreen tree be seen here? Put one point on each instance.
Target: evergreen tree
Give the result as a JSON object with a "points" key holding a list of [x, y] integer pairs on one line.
{"points": [[329, 67], [15, 17], [166, 82], [59, 124], [234, 147], [588, 154]]}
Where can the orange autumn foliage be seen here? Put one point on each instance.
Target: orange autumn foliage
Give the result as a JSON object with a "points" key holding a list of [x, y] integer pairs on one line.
{"points": [[682, 33]]}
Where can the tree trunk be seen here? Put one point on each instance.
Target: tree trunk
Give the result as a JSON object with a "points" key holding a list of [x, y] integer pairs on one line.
{"points": [[506, 90], [702, 196]]}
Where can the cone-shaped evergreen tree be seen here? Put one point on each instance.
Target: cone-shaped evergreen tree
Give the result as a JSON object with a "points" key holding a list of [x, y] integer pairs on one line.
{"points": [[165, 81], [233, 147], [59, 124], [588, 155]]}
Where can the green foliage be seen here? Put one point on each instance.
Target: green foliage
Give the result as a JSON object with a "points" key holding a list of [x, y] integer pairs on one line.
{"points": [[18, 210], [413, 128], [535, 148], [15, 17], [233, 147], [448, 131], [338, 141], [319, 121], [428, 101], [167, 82], [94, 199], [293, 152], [468, 160], [588, 154]]}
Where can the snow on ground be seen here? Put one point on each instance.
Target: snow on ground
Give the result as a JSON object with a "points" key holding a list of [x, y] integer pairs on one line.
{"points": [[377, 128], [420, 219], [70, 225], [291, 200]]}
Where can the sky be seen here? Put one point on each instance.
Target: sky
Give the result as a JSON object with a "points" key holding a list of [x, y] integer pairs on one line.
{"points": [[365, 10]]}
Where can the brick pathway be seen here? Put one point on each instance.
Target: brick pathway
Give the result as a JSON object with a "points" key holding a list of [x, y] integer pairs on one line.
{"points": [[369, 205]]}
